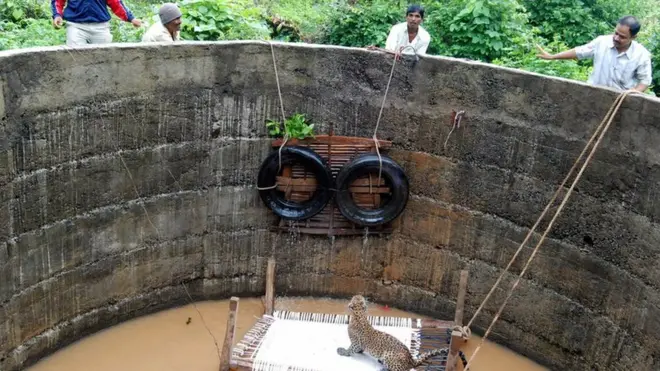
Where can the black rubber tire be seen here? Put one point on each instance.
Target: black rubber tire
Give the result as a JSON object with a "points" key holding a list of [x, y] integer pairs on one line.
{"points": [[362, 165], [274, 199]]}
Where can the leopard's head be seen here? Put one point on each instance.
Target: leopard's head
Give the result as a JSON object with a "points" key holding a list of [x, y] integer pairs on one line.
{"points": [[358, 305]]}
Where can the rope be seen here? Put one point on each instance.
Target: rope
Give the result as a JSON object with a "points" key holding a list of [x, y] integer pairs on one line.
{"points": [[382, 106], [547, 208], [607, 120], [286, 135], [464, 330], [201, 317], [457, 125], [380, 114]]}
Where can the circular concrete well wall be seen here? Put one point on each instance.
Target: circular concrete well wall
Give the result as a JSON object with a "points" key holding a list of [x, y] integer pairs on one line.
{"points": [[128, 169]]}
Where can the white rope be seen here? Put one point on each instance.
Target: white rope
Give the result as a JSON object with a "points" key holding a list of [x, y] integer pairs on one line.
{"points": [[382, 106], [286, 135], [457, 125], [464, 330], [607, 120]]}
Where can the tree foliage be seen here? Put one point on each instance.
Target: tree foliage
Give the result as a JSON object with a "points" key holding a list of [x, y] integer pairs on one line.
{"points": [[222, 20], [368, 24], [482, 29]]}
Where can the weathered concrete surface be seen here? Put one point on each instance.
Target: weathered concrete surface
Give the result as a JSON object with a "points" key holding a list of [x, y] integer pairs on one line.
{"points": [[112, 195]]}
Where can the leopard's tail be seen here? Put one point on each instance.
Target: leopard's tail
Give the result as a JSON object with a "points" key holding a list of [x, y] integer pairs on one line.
{"points": [[425, 356]]}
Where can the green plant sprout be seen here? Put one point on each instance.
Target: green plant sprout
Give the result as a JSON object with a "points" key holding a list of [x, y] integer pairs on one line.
{"points": [[295, 126]]}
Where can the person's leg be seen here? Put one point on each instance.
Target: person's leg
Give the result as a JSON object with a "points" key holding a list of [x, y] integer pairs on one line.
{"points": [[75, 35], [100, 33]]}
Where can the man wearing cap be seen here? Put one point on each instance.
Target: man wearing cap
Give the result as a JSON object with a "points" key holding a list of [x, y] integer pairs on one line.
{"points": [[167, 30]]}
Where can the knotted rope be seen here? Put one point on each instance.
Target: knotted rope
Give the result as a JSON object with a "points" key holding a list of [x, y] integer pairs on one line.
{"points": [[464, 330], [607, 120], [286, 135]]}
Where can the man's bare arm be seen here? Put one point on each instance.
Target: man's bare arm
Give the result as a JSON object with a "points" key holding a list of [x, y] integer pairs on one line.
{"points": [[568, 54], [373, 47], [641, 87], [395, 54]]}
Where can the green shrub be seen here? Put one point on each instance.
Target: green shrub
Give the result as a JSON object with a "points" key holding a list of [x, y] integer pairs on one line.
{"points": [[568, 20], [124, 31], [523, 55], [296, 126], [301, 20], [222, 20], [365, 24], [14, 36], [649, 36], [17, 11], [475, 29], [577, 22]]}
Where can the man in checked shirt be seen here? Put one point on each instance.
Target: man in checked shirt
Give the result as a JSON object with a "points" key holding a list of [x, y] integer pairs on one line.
{"points": [[620, 62]]}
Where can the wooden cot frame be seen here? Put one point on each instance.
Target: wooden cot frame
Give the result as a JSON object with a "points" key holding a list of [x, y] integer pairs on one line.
{"points": [[457, 339]]}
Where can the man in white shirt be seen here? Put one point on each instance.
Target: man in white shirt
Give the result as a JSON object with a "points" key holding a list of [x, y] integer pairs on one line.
{"points": [[167, 30], [620, 62], [408, 37]]}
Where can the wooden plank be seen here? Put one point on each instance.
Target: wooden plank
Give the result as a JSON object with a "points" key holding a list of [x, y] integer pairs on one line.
{"points": [[225, 357], [299, 196], [460, 301], [456, 336], [335, 140], [337, 231], [270, 287], [311, 181], [454, 347], [306, 190], [437, 323]]}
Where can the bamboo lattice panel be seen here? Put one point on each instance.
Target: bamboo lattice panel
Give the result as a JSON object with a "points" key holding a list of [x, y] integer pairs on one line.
{"points": [[299, 184], [308, 341]]}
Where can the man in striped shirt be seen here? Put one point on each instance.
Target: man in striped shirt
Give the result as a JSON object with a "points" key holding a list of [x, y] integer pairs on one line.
{"points": [[620, 62]]}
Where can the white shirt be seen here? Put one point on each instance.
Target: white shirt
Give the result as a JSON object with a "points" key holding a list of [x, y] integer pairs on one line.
{"points": [[398, 37], [158, 33], [617, 70]]}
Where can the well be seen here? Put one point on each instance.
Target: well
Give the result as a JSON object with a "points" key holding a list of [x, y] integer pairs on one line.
{"points": [[115, 194]]}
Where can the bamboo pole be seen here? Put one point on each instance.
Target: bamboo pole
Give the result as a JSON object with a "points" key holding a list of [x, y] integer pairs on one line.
{"points": [[456, 336], [460, 301], [270, 287], [225, 357]]}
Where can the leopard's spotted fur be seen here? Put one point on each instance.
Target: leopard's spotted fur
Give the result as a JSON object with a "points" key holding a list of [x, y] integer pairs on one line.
{"points": [[387, 349]]}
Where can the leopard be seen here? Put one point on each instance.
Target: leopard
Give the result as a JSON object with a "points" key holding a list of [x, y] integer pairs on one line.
{"points": [[385, 348]]}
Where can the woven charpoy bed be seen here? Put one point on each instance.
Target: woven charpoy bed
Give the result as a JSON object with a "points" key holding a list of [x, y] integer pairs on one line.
{"points": [[300, 341]]}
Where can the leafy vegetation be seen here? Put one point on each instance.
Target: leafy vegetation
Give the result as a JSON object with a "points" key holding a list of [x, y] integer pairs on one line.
{"points": [[482, 29], [364, 25], [503, 32], [522, 55], [222, 20], [295, 126]]}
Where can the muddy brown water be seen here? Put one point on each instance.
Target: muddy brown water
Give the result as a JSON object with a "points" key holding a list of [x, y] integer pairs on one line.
{"points": [[178, 339]]}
